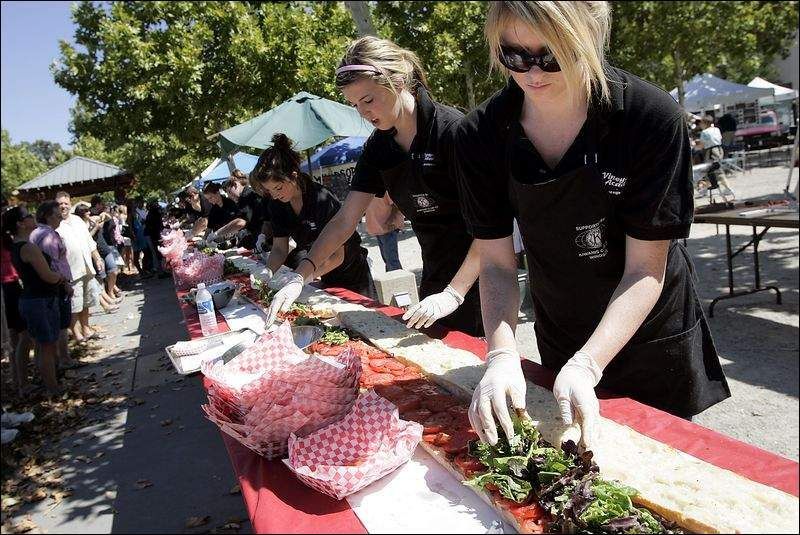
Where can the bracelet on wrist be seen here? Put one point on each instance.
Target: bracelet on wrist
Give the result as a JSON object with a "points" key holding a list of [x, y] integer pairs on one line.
{"points": [[310, 262]]}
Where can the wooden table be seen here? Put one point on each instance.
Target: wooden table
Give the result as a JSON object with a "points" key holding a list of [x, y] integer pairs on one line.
{"points": [[777, 219]]}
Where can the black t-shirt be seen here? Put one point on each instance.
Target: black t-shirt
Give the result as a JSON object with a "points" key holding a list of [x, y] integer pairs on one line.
{"points": [[219, 216], [319, 207], [252, 209], [642, 150], [205, 209]]}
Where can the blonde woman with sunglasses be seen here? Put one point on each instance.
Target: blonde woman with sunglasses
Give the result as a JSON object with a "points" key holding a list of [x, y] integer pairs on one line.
{"points": [[594, 163]]}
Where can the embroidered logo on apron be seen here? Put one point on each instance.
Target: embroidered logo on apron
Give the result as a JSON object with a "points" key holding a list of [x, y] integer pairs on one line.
{"points": [[425, 203], [591, 240], [614, 183]]}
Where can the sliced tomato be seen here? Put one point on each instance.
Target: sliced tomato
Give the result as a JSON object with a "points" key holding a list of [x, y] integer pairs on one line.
{"points": [[397, 372], [437, 422], [442, 439], [531, 511], [379, 379], [391, 392], [409, 402], [468, 463], [534, 526], [394, 364], [438, 402], [377, 364], [459, 442], [418, 415], [430, 438], [505, 503]]}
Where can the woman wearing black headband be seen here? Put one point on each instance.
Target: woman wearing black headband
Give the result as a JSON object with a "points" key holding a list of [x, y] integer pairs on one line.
{"points": [[408, 155]]}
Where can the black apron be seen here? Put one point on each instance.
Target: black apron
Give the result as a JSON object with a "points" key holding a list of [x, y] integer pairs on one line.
{"points": [[440, 229], [576, 253]]}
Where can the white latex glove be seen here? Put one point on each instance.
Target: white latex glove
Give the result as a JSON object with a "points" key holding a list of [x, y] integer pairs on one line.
{"points": [[432, 308], [260, 241], [285, 297], [503, 378], [211, 237], [574, 392]]}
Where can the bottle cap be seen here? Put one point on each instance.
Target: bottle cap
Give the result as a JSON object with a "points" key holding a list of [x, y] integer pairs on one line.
{"points": [[201, 286]]}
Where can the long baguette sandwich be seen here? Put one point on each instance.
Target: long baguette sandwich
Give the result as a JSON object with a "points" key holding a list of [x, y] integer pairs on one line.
{"points": [[695, 495]]}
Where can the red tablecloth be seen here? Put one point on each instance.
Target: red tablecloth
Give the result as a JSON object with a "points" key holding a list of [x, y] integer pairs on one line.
{"points": [[278, 503]]}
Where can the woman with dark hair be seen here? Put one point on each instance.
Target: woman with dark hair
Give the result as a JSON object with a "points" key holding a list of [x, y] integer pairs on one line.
{"points": [[153, 225], [222, 211], [300, 208], [42, 286], [138, 240], [408, 156], [18, 329]]}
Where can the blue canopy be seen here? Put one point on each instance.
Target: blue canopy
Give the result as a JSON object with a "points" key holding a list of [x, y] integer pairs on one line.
{"points": [[706, 90], [338, 153], [241, 160]]}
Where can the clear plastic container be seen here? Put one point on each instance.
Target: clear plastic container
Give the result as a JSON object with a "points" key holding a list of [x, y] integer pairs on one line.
{"points": [[205, 309]]}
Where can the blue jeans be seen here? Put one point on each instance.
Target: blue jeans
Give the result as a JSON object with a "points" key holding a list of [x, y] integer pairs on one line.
{"points": [[387, 243]]}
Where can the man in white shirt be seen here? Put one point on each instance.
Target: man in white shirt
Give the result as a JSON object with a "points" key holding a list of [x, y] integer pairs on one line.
{"points": [[711, 143], [84, 262]]}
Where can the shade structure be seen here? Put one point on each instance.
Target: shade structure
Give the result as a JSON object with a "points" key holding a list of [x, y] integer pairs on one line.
{"points": [[781, 93], [340, 152], [706, 90], [77, 176], [307, 119], [218, 170]]}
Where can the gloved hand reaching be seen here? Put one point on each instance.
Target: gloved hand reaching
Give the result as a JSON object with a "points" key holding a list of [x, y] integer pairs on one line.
{"points": [[211, 237], [283, 300], [433, 307], [574, 392], [503, 378], [260, 241]]}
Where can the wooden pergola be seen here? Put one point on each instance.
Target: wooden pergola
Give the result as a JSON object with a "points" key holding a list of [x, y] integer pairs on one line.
{"points": [[79, 177]]}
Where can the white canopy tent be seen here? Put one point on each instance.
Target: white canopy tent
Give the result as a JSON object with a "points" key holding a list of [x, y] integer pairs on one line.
{"points": [[781, 93], [704, 91]]}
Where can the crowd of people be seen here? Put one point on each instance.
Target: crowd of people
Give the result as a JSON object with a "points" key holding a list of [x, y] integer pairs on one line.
{"points": [[60, 262]]}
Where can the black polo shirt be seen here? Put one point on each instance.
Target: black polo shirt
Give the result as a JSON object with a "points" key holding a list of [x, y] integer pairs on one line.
{"points": [[205, 208], [422, 185], [432, 147], [252, 209], [642, 147], [319, 207], [219, 216]]}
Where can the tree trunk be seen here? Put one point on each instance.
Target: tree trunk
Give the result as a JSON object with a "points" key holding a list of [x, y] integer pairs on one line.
{"points": [[678, 72], [470, 86], [362, 16]]}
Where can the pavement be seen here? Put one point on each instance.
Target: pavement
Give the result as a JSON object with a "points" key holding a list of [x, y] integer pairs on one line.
{"points": [[153, 464]]}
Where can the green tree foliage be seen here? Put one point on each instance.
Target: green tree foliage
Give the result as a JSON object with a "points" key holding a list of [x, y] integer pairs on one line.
{"points": [[19, 164], [155, 79], [448, 37], [669, 42]]}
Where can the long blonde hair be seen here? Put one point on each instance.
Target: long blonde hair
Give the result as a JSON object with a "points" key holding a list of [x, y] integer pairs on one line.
{"points": [[577, 33], [397, 66]]}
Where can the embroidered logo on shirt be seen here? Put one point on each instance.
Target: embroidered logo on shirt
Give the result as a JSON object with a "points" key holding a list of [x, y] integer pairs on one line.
{"points": [[428, 159], [425, 203], [615, 184], [591, 240]]}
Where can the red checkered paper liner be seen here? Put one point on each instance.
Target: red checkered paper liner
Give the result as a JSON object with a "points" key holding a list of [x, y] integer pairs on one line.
{"points": [[370, 442], [273, 389], [197, 267]]}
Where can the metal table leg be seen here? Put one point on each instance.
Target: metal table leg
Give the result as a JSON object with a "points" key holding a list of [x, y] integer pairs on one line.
{"points": [[730, 254]]}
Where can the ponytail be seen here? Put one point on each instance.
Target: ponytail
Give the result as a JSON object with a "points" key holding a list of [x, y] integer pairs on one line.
{"points": [[280, 162]]}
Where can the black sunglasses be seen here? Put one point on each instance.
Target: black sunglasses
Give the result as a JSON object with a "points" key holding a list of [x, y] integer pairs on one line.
{"points": [[518, 60]]}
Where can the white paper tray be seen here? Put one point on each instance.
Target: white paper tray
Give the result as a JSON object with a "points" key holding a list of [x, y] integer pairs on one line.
{"points": [[191, 363]]}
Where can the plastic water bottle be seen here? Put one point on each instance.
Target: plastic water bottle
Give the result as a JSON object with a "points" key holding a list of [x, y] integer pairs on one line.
{"points": [[205, 309]]}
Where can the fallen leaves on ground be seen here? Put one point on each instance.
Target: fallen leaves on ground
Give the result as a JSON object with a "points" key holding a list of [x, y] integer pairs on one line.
{"points": [[197, 521], [143, 484], [236, 489], [25, 525]]}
